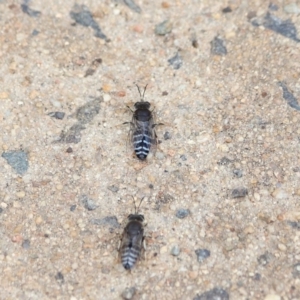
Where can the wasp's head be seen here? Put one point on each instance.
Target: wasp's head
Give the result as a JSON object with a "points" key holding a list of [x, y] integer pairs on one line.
{"points": [[142, 105], [139, 218]]}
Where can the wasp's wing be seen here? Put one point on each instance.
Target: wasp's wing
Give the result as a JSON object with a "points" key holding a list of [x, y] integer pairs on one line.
{"points": [[129, 139], [144, 138]]}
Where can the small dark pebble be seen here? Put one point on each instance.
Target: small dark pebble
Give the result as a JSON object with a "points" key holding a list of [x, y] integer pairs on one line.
{"points": [[165, 93], [69, 150], [175, 61], [183, 157], [30, 12], [202, 254], [239, 192], [73, 207], [273, 6], [182, 213], [195, 43], [82, 15], [218, 46], [113, 188], [264, 259], [238, 173], [151, 186], [167, 135], [35, 32], [17, 160], [57, 115], [288, 96], [60, 278], [1, 210], [294, 224], [264, 94], [163, 28], [257, 276], [26, 244], [90, 71], [110, 221], [296, 169], [128, 293], [226, 10], [216, 293], [224, 161], [88, 203], [296, 270], [132, 5]]}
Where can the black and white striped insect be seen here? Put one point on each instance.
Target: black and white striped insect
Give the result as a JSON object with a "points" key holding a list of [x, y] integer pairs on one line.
{"points": [[132, 241], [142, 133]]}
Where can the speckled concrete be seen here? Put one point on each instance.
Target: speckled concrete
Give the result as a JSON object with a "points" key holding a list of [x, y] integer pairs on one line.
{"points": [[231, 156]]}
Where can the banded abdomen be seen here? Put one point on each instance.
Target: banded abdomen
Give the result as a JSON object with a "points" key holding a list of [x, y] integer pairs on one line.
{"points": [[142, 139], [130, 254]]}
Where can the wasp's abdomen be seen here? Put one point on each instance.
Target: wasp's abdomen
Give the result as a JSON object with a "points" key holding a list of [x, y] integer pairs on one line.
{"points": [[129, 256], [142, 141]]}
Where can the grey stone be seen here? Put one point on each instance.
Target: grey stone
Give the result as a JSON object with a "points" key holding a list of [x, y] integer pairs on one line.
{"points": [[88, 203], [288, 96], [110, 221], [239, 192], [29, 11], [82, 15], [60, 278], [283, 27], [218, 46], [113, 188], [167, 135], [175, 250], [17, 160], [175, 61], [202, 254], [182, 213], [216, 293], [57, 115], [128, 293], [238, 173], [26, 244], [163, 28], [132, 5]]}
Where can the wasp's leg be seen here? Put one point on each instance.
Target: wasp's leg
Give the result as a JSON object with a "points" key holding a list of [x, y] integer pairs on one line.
{"points": [[129, 108], [158, 124]]}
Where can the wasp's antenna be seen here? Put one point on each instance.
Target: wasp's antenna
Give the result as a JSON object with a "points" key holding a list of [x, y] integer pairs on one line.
{"points": [[145, 90], [136, 209], [142, 97], [139, 90]]}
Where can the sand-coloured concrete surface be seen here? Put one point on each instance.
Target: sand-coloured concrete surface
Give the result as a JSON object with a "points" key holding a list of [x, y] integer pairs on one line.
{"points": [[222, 193]]}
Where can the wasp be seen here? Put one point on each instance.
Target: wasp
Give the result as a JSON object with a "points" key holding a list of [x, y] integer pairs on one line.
{"points": [[142, 133], [132, 239]]}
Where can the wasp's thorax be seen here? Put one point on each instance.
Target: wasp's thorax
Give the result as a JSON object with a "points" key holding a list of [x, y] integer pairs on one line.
{"points": [[142, 112], [135, 224]]}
